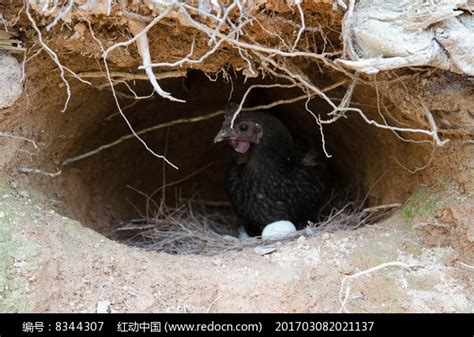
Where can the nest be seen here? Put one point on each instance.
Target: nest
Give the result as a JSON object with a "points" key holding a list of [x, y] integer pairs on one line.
{"points": [[192, 229], [246, 37]]}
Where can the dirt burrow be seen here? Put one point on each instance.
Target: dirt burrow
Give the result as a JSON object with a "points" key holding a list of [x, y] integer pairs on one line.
{"points": [[54, 250]]}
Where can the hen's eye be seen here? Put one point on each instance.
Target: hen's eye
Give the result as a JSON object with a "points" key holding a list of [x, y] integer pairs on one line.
{"points": [[243, 127]]}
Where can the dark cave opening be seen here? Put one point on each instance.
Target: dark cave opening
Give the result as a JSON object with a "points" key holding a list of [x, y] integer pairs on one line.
{"points": [[123, 181]]}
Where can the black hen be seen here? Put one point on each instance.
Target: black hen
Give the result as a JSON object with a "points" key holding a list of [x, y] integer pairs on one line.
{"points": [[275, 184]]}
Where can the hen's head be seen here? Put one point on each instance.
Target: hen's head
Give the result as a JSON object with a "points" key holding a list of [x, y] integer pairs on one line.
{"points": [[253, 129]]}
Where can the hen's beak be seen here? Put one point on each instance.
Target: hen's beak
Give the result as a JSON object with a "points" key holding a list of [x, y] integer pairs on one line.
{"points": [[223, 135]]}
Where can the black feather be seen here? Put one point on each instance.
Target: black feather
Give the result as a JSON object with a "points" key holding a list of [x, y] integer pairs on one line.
{"points": [[274, 184]]}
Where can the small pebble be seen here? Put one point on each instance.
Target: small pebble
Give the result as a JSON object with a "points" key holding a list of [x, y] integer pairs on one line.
{"points": [[264, 250], [230, 238], [102, 307], [23, 194]]}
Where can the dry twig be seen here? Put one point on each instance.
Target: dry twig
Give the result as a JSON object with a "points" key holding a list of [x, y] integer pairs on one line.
{"points": [[345, 290], [228, 27], [9, 135], [37, 171]]}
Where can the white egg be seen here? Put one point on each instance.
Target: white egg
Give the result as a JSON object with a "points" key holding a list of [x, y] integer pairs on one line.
{"points": [[278, 230]]}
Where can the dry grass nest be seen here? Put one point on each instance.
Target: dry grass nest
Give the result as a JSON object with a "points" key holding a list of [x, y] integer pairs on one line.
{"points": [[192, 228]]}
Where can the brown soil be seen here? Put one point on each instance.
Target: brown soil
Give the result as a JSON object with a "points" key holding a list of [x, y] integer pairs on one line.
{"points": [[75, 268]]}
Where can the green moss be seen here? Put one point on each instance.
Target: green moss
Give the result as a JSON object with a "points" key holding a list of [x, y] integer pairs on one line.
{"points": [[17, 256], [408, 213], [423, 203], [386, 248]]}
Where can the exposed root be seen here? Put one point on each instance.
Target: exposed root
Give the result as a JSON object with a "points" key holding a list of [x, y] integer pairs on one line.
{"points": [[303, 25], [224, 27], [54, 57], [9, 135], [51, 53], [195, 119], [242, 101], [292, 100], [345, 290], [137, 28], [64, 12], [419, 168], [122, 76], [114, 93], [434, 128], [27, 170], [465, 265], [139, 133]]}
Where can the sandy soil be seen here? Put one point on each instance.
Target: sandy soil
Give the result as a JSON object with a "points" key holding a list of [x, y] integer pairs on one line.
{"points": [[59, 265]]}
